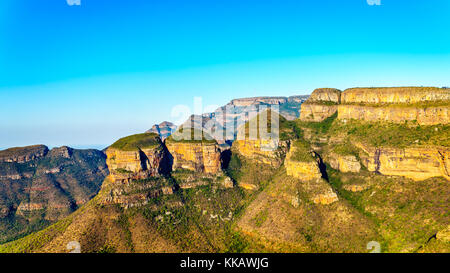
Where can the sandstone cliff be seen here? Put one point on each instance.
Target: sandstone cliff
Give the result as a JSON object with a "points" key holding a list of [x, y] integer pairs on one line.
{"points": [[423, 106], [200, 157], [320, 105], [137, 157], [395, 95], [417, 163], [397, 114]]}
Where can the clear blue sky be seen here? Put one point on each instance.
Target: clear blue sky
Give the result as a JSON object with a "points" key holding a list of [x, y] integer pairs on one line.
{"points": [[87, 75]]}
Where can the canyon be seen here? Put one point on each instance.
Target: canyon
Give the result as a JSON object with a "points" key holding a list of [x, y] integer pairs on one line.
{"points": [[359, 165]]}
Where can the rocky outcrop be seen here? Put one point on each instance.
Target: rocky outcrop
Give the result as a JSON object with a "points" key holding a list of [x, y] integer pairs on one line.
{"points": [[317, 112], [321, 104], [39, 184], [417, 163], [304, 170], [325, 95], [395, 95], [195, 156], [140, 164], [64, 152], [444, 235], [23, 154], [344, 163], [137, 157], [266, 151], [397, 114]]}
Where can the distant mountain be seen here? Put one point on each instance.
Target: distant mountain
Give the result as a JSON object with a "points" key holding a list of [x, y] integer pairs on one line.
{"points": [[239, 111], [39, 186], [164, 129]]}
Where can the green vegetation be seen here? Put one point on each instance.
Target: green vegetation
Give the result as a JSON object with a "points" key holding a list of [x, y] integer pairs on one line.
{"points": [[136, 142], [345, 149], [392, 134], [318, 127], [302, 152]]}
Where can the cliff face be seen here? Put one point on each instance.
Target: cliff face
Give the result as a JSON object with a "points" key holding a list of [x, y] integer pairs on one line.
{"points": [[39, 186], [423, 116], [305, 170], [317, 112], [266, 151], [417, 163], [395, 95], [23, 154], [321, 104], [139, 164], [425, 106], [344, 163], [195, 156]]}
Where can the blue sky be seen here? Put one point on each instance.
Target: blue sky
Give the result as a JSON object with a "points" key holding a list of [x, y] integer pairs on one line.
{"points": [[87, 75]]}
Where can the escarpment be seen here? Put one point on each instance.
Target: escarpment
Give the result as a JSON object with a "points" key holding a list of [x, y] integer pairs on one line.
{"points": [[395, 95], [39, 186], [418, 105], [322, 104]]}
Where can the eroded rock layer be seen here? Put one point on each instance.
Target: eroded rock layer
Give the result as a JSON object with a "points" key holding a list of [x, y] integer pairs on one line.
{"points": [[195, 156], [417, 163]]}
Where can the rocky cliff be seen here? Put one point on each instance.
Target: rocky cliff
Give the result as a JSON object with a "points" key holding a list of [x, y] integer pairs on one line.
{"points": [[197, 155], [395, 95], [422, 106], [23, 154], [397, 114], [39, 186], [417, 163], [137, 157], [320, 105]]}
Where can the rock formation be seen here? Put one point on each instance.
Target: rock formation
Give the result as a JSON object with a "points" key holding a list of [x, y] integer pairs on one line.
{"points": [[419, 105], [197, 155], [417, 163], [137, 157], [23, 154], [320, 105], [42, 185], [344, 163]]}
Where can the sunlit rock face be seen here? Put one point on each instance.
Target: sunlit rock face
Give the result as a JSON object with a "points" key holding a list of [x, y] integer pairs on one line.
{"points": [[305, 170], [419, 105], [344, 163], [322, 103], [397, 114], [201, 157], [395, 95], [137, 157], [417, 163]]}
